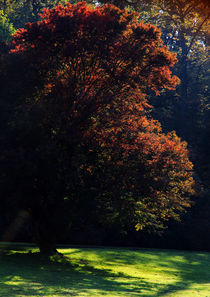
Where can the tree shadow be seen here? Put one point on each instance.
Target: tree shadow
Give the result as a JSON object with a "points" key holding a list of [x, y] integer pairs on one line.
{"points": [[191, 268], [25, 274], [183, 269], [33, 275]]}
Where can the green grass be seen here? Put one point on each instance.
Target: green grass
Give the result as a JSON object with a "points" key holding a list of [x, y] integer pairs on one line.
{"points": [[104, 272]]}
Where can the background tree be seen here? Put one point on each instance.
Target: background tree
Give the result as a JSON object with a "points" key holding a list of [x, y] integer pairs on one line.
{"points": [[21, 12], [6, 29]]}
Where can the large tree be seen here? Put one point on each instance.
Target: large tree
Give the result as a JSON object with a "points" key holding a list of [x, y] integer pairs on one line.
{"points": [[81, 120]]}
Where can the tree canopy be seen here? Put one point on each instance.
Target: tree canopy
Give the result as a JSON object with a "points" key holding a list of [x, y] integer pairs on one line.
{"points": [[81, 130]]}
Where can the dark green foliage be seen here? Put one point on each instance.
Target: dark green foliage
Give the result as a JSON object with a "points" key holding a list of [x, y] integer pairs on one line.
{"points": [[21, 12], [6, 29]]}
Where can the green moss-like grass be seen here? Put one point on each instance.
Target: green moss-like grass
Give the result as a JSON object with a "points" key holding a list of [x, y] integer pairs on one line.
{"points": [[109, 272]]}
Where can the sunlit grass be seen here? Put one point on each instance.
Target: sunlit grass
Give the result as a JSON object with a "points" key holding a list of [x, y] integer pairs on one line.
{"points": [[104, 272]]}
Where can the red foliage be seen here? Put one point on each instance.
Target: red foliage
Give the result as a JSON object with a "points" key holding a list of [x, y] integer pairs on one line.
{"points": [[150, 171], [97, 65], [102, 48]]}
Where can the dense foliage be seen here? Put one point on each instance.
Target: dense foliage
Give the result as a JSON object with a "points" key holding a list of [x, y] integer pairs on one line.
{"points": [[185, 30], [6, 28], [79, 136]]}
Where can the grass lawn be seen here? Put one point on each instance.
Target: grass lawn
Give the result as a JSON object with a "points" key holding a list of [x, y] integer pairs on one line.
{"points": [[109, 272]]}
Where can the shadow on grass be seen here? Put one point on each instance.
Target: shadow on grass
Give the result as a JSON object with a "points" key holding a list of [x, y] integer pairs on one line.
{"points": [[192, 269], [34, 275], [24, 274], [187, 268]]}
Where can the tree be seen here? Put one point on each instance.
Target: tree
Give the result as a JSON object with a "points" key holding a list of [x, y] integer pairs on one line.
{"points": [[21, 12], [86, 75], [201, 5], [6, 28]]}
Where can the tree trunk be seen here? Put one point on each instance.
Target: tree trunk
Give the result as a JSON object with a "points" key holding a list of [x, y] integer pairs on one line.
{"points": [[183, 75], [47, 248], [44, 235], [4, 6]]}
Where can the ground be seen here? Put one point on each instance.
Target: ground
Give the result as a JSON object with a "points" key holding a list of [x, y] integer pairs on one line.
{"points": [[112, 272]]}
